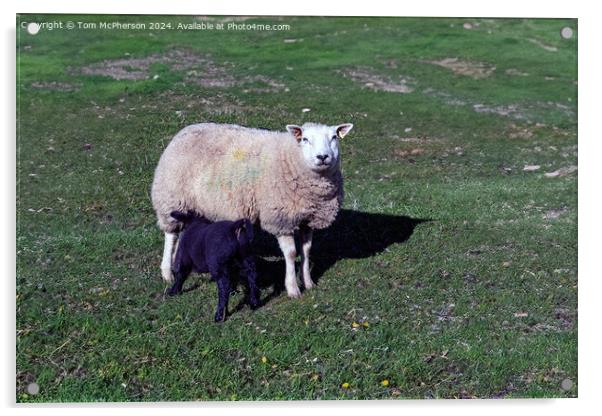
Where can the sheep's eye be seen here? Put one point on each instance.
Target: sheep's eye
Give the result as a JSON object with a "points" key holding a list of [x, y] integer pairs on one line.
{"points": [[305, 139], [335, 137]]}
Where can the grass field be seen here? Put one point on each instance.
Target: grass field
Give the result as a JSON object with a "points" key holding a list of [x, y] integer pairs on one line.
{"points": [[450, 273]]}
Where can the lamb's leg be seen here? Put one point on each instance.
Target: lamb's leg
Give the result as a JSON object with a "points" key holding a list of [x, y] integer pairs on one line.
{"points": [[287, 245], [250, 270], [223, 293], [170, 239], [306, 236], [181, 276]]}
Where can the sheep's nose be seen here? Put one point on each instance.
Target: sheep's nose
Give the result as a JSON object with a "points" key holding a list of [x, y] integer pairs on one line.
{"points": [[322, 157]]}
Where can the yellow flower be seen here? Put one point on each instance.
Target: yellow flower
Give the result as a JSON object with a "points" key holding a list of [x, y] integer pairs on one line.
{"points": [[385, 382], [355, 325], [264, 359], [345, 385], [365, 324]]}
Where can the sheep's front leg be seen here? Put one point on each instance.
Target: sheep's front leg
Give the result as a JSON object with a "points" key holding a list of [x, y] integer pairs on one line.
{"points": [[306, 236], [166, 272], [287, 245]]}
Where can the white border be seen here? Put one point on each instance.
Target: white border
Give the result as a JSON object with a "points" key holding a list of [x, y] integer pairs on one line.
{"points": [[461, 8], [589, 195]]}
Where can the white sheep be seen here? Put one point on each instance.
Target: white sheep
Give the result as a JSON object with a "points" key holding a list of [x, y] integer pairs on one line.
{"points": [[285, 181]]}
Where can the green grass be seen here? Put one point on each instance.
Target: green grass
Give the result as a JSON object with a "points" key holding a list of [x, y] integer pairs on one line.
{"points": [[480, 300]]}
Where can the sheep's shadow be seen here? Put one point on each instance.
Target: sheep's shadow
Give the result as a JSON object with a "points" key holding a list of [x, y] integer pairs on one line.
{"points": [[353, 235]]}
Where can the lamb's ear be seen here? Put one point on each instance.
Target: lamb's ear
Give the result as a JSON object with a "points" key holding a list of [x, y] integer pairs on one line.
{"points": [[296, 131], [343, 129]]}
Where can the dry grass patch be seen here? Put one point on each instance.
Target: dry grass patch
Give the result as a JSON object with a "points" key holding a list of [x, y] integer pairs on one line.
{"points": [[55, 86], [378, 82], [476, 70], [516, 72], [200, 69], [542, 45], [139, 68]]}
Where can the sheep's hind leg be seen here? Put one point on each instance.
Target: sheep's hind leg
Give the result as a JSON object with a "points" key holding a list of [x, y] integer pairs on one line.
{"points": [[166, 272], [306, 236], [287, 245]]}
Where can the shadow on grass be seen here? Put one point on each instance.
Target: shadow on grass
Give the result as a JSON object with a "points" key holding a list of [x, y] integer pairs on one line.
{"points": [[354, 235]]}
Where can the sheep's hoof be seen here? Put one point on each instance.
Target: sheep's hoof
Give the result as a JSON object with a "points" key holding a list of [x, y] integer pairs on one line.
{"points": [[309, 284], [293, 293], [167, 275]]}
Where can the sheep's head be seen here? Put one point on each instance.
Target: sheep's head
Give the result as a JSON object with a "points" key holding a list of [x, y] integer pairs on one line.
{"points": [[319, 144]]}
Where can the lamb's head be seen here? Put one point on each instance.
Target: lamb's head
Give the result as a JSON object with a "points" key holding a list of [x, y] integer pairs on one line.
{"points": [[319, 144]]}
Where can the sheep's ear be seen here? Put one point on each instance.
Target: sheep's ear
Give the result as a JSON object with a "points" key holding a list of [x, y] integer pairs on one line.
{"points": [[343, 129], [296, 131]]}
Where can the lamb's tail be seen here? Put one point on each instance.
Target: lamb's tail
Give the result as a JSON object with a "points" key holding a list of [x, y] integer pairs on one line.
{"points": [[244, 230]]}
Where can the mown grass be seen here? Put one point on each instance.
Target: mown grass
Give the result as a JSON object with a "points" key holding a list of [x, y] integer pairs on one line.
{"points": [[473, 293]]}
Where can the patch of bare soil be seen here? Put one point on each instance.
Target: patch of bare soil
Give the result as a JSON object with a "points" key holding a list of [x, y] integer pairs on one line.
{"points": [[378, 82], [200, 69], [516, 72], [476, 70], [523, 131], [55, 86], [410, 147], [517, 132], [565, 317], [265, 84], [139, 68], [561, 172], [511, 110], [403, 153], [211, 75], [527, 112], [554, 213], [446, 97], [531, 168], [551, 105], [422, 140]]}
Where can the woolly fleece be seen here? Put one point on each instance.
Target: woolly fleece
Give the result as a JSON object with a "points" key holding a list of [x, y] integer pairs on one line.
{"points": [[227, 172]]}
